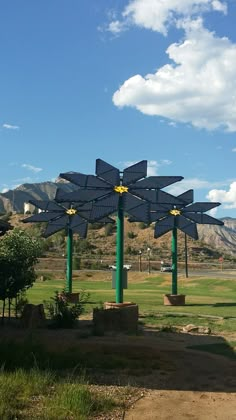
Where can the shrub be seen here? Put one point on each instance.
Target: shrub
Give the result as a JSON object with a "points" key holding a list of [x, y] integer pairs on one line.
{"points": [[76, 263], [131, 235], [62, 313], [109, 229], [143, 225]]}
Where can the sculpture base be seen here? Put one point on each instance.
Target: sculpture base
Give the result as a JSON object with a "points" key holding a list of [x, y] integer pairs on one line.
{"points": [[122, 317], [174, 300]]}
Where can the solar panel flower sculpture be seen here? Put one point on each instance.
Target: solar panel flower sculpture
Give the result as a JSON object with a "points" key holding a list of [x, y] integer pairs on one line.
{"points": [[72, 217], [184, 217], [129, 191]]}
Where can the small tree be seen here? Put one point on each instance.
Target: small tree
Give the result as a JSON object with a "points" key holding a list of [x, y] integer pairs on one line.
{"points": [[62, 314], [18, 255]]}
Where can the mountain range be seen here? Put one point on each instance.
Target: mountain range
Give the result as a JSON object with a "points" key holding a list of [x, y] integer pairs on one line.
{"points": [[222, 238]]}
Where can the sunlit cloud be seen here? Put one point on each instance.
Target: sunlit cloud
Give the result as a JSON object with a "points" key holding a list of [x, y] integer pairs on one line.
{"points": [[31, 168], [225, 196], [195, 184], [10, 127], [159, 15]]}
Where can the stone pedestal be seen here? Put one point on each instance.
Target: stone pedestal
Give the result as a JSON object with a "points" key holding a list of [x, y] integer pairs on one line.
{"points": [[33, 316], [122, 317], [174, 300]]}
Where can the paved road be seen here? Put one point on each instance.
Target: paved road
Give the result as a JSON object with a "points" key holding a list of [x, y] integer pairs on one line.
{"points": [[223, 274]]}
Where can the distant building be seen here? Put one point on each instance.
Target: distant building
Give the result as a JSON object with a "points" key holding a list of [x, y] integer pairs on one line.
{"points": [[29, 208]]}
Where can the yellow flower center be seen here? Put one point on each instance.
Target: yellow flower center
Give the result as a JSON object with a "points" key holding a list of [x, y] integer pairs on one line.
{"points": [[121, 189], [175, 212], [71, 212]]}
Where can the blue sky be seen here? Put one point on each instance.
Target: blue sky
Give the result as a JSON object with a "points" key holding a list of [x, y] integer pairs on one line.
{"points": [[120, 80]]}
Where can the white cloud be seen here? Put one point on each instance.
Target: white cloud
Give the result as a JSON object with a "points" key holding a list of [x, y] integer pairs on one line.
{"points": [[234, 149], [158, 15], [31, 167], [227, 198], [195, 184], [11, 127], [213, 212], [152, 168], [172, 124], [116, 27], [166, 162], [198, 87]]}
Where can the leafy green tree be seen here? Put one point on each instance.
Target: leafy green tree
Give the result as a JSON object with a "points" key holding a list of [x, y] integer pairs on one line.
{"points": [[18, 255]]}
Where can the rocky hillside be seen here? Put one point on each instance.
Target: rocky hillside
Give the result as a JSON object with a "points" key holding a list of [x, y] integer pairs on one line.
{"points": [[221, 238], [13, 200]]}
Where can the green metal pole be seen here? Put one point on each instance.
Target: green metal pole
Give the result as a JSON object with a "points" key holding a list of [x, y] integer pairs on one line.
{"points": [[174, 262], [186, 255], [69, 261], [119, 251]]}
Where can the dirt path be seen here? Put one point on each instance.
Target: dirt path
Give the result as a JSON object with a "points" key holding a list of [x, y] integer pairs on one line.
{"points": [[184, 405], [201, 386], [179, 382]]}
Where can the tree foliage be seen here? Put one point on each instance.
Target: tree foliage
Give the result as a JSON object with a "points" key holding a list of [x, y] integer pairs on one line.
{"points": [[18, 255]]}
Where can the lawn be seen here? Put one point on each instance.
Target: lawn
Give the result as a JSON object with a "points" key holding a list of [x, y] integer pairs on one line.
{"points": [[208, 301]]}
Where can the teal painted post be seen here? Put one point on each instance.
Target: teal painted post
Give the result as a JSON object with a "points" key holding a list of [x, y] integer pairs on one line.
{"points": [[69, 261], [186, 255], [174, 262], [119, 251]]}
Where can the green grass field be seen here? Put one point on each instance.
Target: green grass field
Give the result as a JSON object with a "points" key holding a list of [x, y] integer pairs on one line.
{"points": [[208, 301]]}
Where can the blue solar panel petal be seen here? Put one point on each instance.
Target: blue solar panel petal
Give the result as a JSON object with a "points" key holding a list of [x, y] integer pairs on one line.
{"points": [[83, 207], [64, 219], [76, 220], [41, 217], [133, 219], [157, 196], [201, 207], [81, 195], [203, 219], [156, 215], [104, 207], [53, 228], [45, 205], [136, 207], [84, 181], [140, 213], [81, 229], [107, 172], [161, 207], [85, 211], [156, 182], [135, 172], [163, 226], [187, 226], [106, 219], [186, 197]]}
